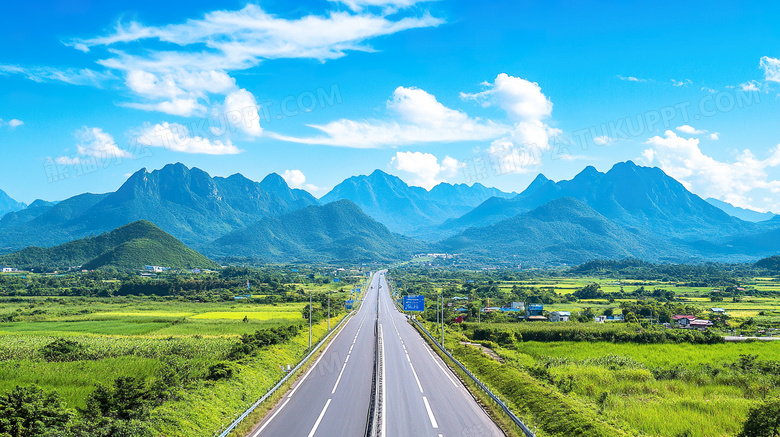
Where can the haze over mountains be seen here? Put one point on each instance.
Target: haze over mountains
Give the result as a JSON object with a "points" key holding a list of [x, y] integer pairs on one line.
{"points": [[628, 211]]}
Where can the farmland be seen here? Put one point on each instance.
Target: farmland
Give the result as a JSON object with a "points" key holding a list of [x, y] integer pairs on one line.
{"points": [[198, 360], [642, 378]]}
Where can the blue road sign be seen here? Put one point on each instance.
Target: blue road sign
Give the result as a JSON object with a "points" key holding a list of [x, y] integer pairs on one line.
{"points": [[358, 290], [335, 279], [349, 304], [414, 303]]}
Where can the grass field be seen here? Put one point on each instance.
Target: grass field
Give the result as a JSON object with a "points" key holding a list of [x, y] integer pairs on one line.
{"points": [[134, 336]]}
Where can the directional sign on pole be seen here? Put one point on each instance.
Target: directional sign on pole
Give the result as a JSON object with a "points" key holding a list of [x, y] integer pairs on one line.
{"points": [[414, 303], [349, 304]]}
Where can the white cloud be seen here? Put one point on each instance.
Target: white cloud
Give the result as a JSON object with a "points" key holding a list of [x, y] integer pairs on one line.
{"points": [[771, 67], [179, 80], [526, 106], [94, 147], [425, 167], [690, 130], [176, 137], [417, 118], [715, 136], [630, 78], [389, 5], [709, 90], [13, 123], [98, 144], [241, 108], [296, 179], [603, 140], [679, 83], [70, 76], [750, 86], [745, 182]]}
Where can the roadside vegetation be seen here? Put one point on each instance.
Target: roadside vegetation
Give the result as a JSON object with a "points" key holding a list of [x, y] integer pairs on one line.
{"points": [[77, 360], [641, 375]]}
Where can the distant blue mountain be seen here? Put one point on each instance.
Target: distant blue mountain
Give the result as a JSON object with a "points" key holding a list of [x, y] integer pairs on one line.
{"points": [[408, 209], [637, 197], [741, 213], [337, 231], [9, 205], [187, 203]]}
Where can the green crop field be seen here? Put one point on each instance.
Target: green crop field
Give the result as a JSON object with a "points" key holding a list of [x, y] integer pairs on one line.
{"points": [[140, 337]]}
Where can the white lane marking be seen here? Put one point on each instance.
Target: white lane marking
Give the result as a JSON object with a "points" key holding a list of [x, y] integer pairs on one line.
{"points": [[415, 377], [430, 414], [324, 352], [319, 419], [340, 375], [440, 367], [257, 433]]}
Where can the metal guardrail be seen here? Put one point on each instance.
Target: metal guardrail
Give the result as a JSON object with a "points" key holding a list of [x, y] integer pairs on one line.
{"points": [[373, 410], [519, 423], [281, 382]]}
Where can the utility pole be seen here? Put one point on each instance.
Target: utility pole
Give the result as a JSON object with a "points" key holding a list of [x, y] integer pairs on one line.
{"points": [[309, 319], [442, 320], [329, 310]]}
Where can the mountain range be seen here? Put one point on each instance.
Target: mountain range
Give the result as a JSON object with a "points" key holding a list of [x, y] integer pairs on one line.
{"points": [[9, 205], [628, 211], [407, 209], [336, 231], [741, 213], [129, 247]]}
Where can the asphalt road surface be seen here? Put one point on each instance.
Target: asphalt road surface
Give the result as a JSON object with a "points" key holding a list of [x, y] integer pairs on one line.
{"points": [[421, 395]]}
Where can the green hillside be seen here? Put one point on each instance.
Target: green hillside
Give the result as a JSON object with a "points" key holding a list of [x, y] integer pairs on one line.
{"points": [[130, 247], [336, 231]]}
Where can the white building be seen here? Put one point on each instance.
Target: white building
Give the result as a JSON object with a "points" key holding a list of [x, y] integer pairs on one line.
{"points": [[7, 269], [560, 316]]}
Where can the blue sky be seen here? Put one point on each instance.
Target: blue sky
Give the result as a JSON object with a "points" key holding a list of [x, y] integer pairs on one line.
{"points": [[459, 91]]}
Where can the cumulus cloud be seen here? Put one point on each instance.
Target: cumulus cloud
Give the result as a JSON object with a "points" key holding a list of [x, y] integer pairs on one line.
{"points": [[296, 179], [417, 117], [745, 182], [771, 67], [679, 83], [715, 136], [528, 108], [12, 123], [94, 146], [750, 86], [177, 138], [690, 130], [241, 107], [425, 167]]}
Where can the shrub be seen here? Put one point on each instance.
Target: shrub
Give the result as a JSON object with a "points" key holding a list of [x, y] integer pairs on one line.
{"points": [[222, 370], [62, 350]]}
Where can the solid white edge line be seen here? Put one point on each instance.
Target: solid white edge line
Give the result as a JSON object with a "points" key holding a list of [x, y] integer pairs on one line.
{"points": [[319, 419], [259, 430], [324, 352], [430, 414], [427, 349]]}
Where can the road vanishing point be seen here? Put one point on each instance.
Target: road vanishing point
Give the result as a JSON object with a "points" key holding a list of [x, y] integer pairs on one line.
{"points": [[421, 397]]}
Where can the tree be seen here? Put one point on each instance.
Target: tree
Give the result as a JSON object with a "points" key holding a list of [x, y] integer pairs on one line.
{"points": [[29, 411], [763, 420]]}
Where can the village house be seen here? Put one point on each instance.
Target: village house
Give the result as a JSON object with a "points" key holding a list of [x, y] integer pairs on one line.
{"points": [[683, 321], [8, 269], [560, 316]]}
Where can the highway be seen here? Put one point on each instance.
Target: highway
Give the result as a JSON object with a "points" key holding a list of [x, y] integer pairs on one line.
{"points": [[333, 397], [421, 395]]}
